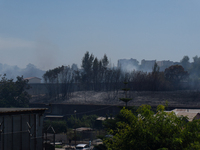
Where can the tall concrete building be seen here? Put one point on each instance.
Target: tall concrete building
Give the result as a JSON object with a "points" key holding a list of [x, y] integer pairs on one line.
{"points": [[147, 65], [128, 64], [164, 64]]}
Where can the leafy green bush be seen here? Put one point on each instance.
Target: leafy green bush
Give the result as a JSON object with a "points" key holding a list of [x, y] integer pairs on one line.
{"points": [[14, 93], [152, 131]]}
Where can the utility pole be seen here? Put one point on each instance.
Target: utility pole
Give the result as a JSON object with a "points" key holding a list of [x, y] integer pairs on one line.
{"points": [[75, 126]]}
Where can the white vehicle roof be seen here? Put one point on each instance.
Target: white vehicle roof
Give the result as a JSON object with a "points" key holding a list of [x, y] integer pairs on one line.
{"points": [[81, 145]]}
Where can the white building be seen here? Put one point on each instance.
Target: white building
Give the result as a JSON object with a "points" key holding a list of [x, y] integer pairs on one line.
{"points": [[192, 114]]}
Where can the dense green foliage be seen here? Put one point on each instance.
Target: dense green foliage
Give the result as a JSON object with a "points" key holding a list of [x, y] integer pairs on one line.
{"points": [[175, 74], [14, 94], [150, 131]]}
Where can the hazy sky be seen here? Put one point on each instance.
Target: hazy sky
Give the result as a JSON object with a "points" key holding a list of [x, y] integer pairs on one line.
{"points": [[51, 33]]}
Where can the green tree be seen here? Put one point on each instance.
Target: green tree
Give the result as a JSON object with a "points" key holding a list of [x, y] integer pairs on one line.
{"points": [[125, 99], [52, 76], [87, 63], [105, 61], [175, 74], [185, 62], [195, 69], [66, 79], [95, 69], [155, 77], [14, 94], [153, 131]]}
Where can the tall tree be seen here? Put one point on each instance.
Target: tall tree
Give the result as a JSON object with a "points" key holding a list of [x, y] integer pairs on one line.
{"points": [[155, 77], [66, 79], [185, 62], [87, 63], [175, 74], [125, 89], [196, 67], [52, 76], [95, 72], [105, 61]]}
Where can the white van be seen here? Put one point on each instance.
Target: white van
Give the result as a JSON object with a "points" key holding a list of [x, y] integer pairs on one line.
{"points": [[82, 147]]}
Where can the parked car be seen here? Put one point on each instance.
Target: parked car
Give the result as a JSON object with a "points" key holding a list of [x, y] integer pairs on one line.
{"points": [[83, 147]]}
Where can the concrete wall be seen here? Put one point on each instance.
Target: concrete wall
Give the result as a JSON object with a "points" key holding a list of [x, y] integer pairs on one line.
{"points": [[15, 135]]}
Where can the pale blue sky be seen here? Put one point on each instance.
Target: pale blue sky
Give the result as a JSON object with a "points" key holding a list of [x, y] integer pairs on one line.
{"points": [[51, 33]]}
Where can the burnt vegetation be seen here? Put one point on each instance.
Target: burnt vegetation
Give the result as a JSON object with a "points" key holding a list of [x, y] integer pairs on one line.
{"points": [[98, 75]]}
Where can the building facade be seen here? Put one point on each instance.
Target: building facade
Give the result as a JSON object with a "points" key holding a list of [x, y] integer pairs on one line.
{"points": [[21, 128]]}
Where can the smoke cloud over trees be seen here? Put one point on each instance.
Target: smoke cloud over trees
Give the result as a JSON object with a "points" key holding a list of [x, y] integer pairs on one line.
{"points": [[97, 74]]}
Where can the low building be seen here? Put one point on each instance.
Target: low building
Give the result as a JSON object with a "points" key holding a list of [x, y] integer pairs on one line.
{"points": [[191, 114], [33, 80], [21, 128]]}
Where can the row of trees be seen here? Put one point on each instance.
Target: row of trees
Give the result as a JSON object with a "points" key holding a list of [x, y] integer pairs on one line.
{"points": [[98, 75], [94, 75], [59, 81]]}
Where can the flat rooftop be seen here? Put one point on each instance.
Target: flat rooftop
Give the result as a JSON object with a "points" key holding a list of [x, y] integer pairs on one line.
{"points": [[20, 110]]}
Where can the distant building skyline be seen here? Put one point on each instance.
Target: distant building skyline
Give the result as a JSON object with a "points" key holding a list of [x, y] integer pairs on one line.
{"points": [[55, 33], [145, 65]]}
